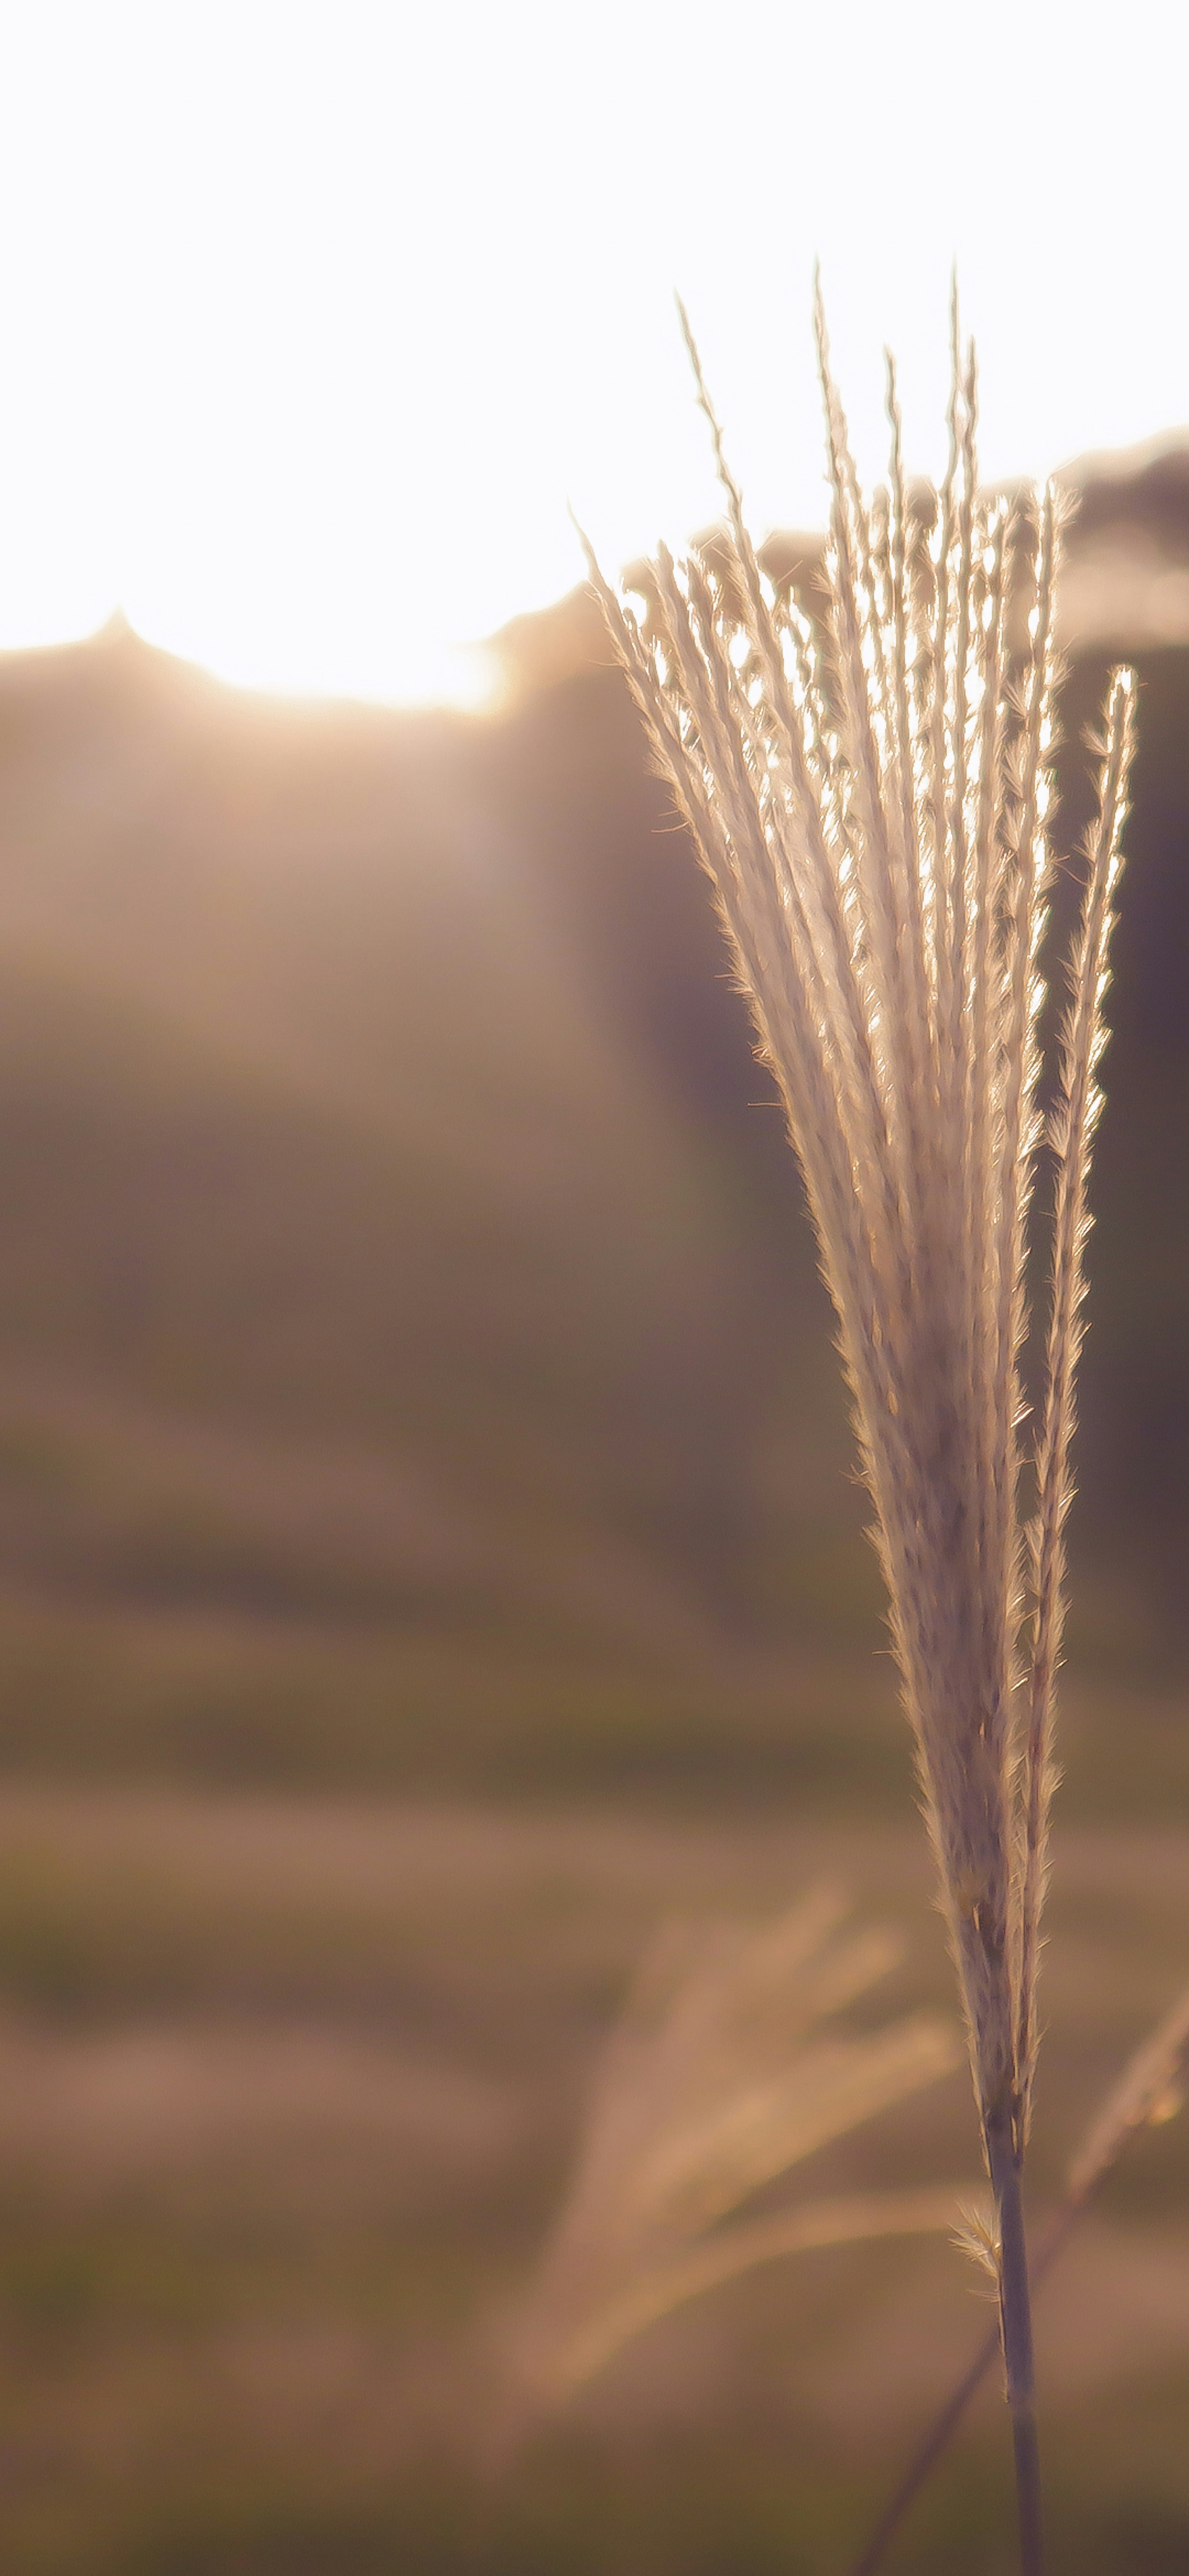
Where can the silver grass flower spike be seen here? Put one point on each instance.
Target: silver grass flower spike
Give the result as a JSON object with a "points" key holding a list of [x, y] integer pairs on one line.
{"points": [[868, 790], [723, 2073]]}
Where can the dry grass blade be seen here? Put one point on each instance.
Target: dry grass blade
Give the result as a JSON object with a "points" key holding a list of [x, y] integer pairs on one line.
{"points": [[1148, 2091], [844, 2220], [719, 2079], [868, 792]]}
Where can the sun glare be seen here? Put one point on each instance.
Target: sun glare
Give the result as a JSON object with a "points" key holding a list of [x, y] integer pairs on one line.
{"points": [[313, 317]]}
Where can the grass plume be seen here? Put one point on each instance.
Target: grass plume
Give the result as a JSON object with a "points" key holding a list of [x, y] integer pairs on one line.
{"points": [[868, 789], [722, 2074]]}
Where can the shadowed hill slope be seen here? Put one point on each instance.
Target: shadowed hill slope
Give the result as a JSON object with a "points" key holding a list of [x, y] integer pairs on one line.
{"points": [[367, 1257], [405, 1301]]}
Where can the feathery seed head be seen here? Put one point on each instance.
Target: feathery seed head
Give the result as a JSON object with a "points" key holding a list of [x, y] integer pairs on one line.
{"points": [[865, 776]]}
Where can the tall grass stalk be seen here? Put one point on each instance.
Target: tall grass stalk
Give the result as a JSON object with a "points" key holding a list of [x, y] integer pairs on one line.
{"points": [[868, 789], [1149, 2091]]}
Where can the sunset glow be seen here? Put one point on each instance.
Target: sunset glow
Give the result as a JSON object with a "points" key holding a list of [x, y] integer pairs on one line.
{"points": [[314, 317]]}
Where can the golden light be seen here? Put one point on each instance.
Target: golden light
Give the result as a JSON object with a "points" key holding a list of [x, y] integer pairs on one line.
{"points": [[313, 316]]}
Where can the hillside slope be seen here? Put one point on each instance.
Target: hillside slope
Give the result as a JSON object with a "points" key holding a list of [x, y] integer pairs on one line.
{"points": [[411, 1352]]}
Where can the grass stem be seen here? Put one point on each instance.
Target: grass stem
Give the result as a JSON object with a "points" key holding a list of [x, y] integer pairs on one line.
{"points": [[1015, 2318], [1149, 2091]]}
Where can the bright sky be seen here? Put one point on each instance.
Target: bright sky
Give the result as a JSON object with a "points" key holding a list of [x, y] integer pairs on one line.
{"points": [[313, 313]]}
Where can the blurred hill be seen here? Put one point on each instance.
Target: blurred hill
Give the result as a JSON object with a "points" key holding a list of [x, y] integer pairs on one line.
{"points": [[412, 1363]]}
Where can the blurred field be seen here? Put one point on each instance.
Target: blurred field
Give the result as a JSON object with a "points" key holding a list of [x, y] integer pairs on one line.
{"points": [[288, 2088], [428, 1552]]}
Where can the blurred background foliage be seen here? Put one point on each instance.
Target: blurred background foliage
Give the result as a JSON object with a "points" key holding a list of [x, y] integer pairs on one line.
{"points": [[429, 1548]]}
